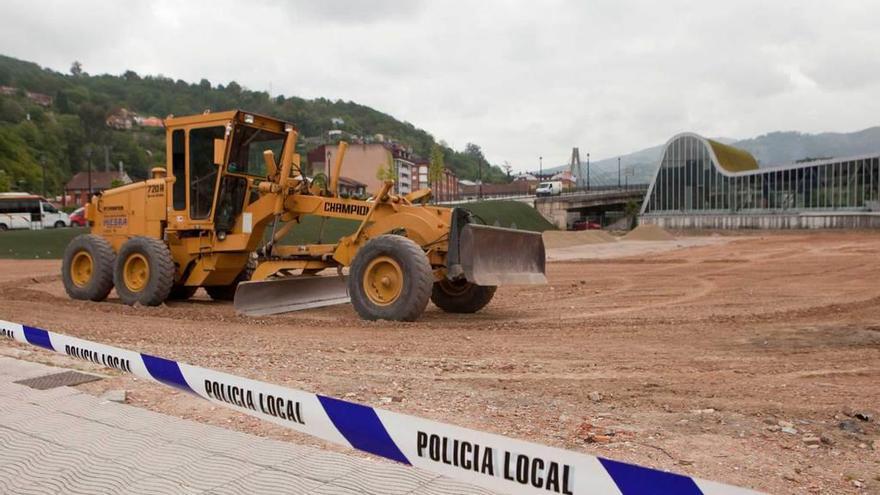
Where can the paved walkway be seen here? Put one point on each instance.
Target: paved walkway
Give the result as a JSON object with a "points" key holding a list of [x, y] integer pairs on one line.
{"points": [[61, 440]]}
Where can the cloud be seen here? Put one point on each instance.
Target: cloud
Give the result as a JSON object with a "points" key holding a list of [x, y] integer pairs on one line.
{"points": [[520, 78], [354, 11]]}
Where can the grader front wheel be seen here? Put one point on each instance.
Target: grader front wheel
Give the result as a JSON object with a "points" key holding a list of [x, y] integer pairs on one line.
{"points": [[144, 272], [390, 279], [87, 269]]}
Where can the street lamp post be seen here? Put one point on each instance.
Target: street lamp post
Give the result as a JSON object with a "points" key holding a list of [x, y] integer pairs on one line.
{"points": [[540, 167], [480, 185], [618, 172], [89, 165], [588, 171], [43, 165]]}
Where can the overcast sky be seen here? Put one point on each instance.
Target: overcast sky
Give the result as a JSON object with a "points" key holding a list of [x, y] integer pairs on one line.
{"points": [[521, 79]]}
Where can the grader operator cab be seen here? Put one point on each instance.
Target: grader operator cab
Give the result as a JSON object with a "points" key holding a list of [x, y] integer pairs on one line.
{"points": [[233, 188]]}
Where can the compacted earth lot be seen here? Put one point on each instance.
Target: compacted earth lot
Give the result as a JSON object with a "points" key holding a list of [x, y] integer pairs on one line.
{"points": [[752, 360]]}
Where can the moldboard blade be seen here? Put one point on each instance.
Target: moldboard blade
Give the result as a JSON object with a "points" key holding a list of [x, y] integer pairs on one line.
{"points": [[269, 297], [499, 256]]}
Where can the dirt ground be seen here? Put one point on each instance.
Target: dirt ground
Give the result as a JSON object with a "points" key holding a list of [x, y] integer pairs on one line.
{"points": [[748, 360]]}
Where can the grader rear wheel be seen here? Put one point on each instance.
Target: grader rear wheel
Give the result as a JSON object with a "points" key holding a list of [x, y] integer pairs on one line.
{"points": [[390, 279], [222, 292], [87, 268], [144, 272], [182, 292]]}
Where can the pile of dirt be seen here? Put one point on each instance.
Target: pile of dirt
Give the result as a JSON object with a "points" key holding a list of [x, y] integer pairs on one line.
{"points": [[561, 238], [648, 232]]}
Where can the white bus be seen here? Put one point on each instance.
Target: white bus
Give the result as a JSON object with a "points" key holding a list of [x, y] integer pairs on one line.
{"points": [[27, 211]]}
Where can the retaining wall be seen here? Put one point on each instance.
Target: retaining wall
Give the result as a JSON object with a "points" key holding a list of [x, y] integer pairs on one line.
{"points": [[837, 220]]}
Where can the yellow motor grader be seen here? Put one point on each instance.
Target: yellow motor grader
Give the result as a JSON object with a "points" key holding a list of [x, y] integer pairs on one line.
{"points": [[233, 188]]}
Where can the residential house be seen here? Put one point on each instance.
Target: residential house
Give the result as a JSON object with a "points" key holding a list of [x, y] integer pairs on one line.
{"points": [[351, 188], [39, 98], [122, 119], [78, 187], [364, 161], [445, 189]]}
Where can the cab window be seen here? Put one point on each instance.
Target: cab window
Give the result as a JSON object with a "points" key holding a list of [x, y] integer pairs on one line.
{"points": [[178, 169], [248, 145], [202, 171], [47, 208]]}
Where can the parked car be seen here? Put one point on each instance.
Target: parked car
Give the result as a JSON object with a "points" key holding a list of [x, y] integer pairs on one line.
{"points": [[78, 217], [553, 188], [29, 211], [585, 224]]}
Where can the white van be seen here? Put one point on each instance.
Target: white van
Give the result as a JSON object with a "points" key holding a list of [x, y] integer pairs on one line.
{"points": [[553, 188], [27, 211]]}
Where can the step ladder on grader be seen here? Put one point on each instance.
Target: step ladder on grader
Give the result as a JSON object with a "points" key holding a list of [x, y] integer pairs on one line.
{"points": [[233, 188]]}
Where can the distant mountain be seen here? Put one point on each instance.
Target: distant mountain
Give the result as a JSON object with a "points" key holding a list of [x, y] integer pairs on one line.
{"points": [[779, 148], [771, 149]]}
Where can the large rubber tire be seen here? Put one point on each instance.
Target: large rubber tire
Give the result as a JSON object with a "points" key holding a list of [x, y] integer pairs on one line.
{"points": [[59, 224], [416, 279], [223, 292], [182, 292], [461, 296], [95, 282], [227, 292], [158, 278]]}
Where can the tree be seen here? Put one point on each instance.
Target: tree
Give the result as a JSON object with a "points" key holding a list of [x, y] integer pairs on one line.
{"points": [[507, 168], [631, 211], [76, 68], [131, 76], [387, 171], [437, 166], [234, 88], [474, 151], [4, 181], [11, 111]]}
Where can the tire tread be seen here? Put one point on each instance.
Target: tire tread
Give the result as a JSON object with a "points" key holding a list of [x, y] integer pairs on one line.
{"points": [[161, 263], [102, 270], [415, 266]]}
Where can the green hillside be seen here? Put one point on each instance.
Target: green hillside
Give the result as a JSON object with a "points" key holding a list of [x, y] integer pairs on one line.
{"points": [[508, 214], [60, 137]]}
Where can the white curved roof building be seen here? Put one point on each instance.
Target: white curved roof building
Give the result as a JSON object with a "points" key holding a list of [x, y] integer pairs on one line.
{"points": [[707, 184]]}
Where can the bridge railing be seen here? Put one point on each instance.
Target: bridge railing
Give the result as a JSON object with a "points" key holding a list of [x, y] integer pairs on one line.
{"points": [[487, 197], [605, 188]]}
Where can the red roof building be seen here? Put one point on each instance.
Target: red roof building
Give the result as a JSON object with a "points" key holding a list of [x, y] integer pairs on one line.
{"points": [[78, 187]]}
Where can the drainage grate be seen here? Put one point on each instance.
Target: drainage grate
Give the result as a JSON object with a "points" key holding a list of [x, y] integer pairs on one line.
{"points": [[67, 378]]}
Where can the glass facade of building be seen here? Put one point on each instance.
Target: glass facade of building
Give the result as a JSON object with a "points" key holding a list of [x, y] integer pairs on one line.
{"points": [[698, 175]]}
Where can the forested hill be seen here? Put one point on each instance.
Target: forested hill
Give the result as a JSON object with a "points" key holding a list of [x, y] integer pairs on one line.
{"points": [[62, 135]]}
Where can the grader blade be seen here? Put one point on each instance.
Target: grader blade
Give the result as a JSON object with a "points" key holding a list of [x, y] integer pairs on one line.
{"points": [[499, 256], [269, 297]]}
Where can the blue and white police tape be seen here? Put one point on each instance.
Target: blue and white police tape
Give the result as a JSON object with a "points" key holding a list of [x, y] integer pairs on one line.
{"points": [[483, 459]]}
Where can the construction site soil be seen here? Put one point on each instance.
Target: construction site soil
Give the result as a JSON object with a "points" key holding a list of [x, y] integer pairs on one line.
{"points": [[747, 359]]}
